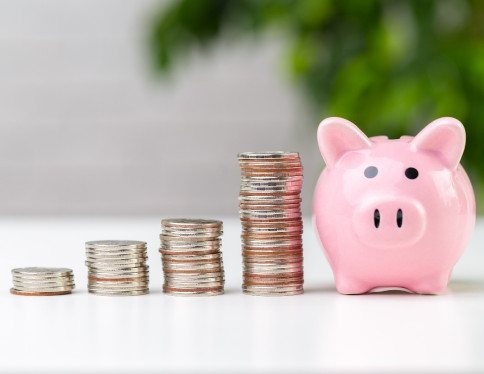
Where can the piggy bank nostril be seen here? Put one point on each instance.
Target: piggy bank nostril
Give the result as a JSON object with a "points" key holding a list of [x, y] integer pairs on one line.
{"points": [[399, 218], [376, 218]]}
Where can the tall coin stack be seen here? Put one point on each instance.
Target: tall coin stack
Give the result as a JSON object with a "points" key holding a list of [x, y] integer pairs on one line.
{"points": [[270, 214], [117, 267], [191, 256], [39, 281]]}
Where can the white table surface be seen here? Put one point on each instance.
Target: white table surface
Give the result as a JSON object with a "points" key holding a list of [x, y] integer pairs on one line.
{"points": [[318, 331]]}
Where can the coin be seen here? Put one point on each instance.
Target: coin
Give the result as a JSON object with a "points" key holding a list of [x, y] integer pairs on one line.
{"points": [[110, 244], [117, 267], [144, 291], [191, 256], [271, 219], [13, 291], [191, 223], [42, 281], [41, 271]]}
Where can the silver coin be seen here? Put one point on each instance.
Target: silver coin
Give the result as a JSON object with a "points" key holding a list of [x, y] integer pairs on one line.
{"points": [[189, 222], [115, 269], [273, 242], [276, 273], [275, 214], [273, 293], [117, 273], [188, 258], [115, 266], [190, 249], [119, 293], [41, 279], [118, 276], [189, 236], [295, 184], [121, 265], [112, 253], [117, 290], [41, 271], [176, 240], [109, 285], [196, 234], [191, 262], [268, 199], [270, 171], [268, 185], [194, 230], [272, 181], [140, 261], [197, 269], [268, 190], [264, 155], [116, 243], [193, 277], [272, 266], [43, 282], [121, 259], [44, 289], [122, 284], [272, 230], [92, 279], [269, 259], [195, 286], [116, 252], [193, 293]]}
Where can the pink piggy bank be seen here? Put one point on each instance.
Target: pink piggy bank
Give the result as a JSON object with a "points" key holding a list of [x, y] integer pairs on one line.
{"points": [[393, 213]]}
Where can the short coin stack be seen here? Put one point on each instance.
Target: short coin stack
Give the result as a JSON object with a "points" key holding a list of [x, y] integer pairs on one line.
{"points": [[40, 281], [117, 267], [270, 214], [191, 256]]}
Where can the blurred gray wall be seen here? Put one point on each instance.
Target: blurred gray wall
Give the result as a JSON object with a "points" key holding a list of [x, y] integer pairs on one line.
{"points": [[86, 128]]}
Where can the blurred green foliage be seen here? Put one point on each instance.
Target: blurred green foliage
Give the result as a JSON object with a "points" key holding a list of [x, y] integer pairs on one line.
{"points": [[389, 66]]}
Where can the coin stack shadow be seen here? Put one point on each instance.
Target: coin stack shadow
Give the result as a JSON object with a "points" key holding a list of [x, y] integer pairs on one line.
{"points": [[191, 257], [270, 214], [40, 281], [117, 267]]}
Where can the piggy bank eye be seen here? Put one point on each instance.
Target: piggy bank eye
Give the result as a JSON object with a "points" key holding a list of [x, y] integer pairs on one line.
{"points": [[371, 172], [411, 173]]}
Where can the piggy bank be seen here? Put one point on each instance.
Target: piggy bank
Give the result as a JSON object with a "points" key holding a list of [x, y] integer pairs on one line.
{"points": [[393, 213]]}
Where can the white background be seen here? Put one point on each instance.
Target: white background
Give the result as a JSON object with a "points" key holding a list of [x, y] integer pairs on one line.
{"points": [[320, 331]]}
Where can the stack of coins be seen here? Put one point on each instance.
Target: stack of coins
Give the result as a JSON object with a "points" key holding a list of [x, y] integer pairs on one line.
{"points": [[37, 281], [117, 267], [270, 214], [191, 256]]}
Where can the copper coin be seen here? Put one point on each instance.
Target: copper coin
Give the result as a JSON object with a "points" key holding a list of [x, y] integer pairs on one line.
{"points": [[31, 293]]}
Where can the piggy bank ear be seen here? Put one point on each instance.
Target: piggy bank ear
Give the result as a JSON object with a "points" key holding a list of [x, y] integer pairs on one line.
{"points": [[336, 136], [445, 137]]}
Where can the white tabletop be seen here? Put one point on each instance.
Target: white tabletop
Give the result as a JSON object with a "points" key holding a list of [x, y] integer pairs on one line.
{"points": [[318, 331]]}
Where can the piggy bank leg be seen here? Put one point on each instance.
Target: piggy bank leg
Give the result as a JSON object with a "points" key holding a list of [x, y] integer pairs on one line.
{"points": [[350, 286], [432, 285]]}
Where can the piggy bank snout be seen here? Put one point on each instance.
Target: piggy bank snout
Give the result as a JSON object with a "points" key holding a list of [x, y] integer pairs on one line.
{"points": [[389, 222]]}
